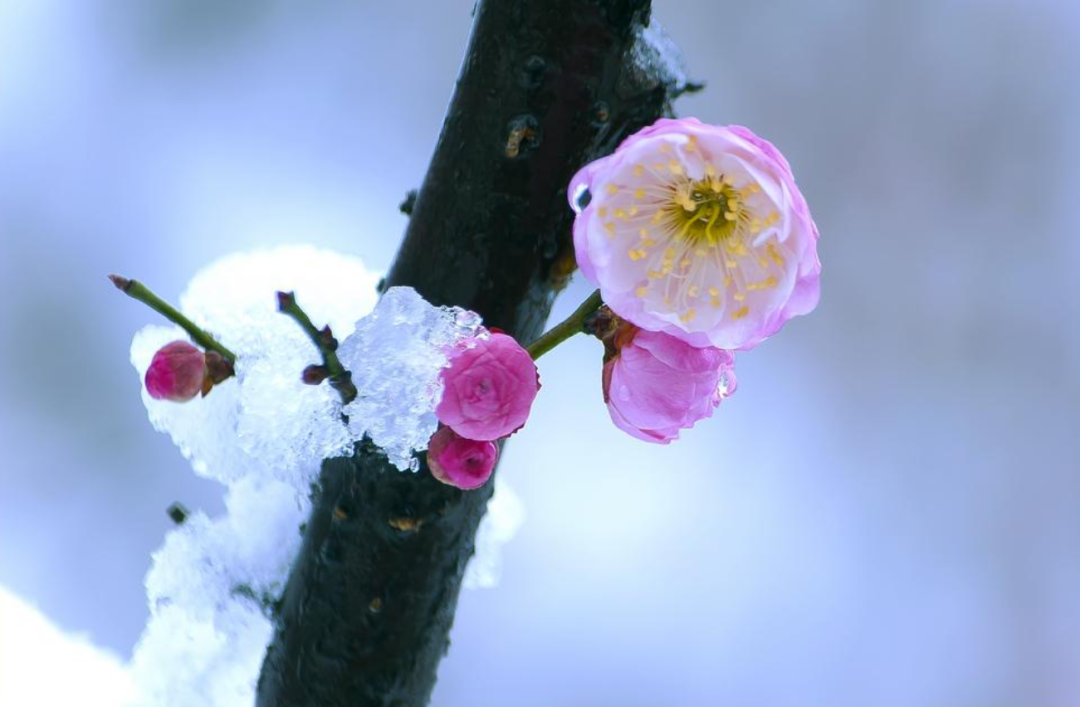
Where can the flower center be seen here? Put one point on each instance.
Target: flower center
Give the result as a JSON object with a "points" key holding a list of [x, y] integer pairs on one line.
{"points": [[704, 211]]}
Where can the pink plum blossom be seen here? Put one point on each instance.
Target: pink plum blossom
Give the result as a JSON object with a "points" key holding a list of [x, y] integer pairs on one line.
{"points": [[656, 384], [698, 231], [489, 388], [177, 372], [460, 462]]}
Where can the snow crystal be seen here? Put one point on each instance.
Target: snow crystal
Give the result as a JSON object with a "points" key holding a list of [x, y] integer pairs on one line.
{"points": [[395, 356], [505, 514]]}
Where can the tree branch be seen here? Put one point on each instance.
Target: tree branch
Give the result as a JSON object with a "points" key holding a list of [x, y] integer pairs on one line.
{"points": [[545, 88]]}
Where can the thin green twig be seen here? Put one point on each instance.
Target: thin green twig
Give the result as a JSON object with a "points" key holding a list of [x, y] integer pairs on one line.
{"points": [[574, 324], [136, 290], [340, 378]]}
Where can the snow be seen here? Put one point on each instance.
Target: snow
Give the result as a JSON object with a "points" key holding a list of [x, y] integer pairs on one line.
{"points": [[264, 434], [40, 664], [505, 514], [656, 55], [395, 356], [210, 592]]}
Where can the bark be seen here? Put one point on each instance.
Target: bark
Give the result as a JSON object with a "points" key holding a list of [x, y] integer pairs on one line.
{"points": [[545, 87]]}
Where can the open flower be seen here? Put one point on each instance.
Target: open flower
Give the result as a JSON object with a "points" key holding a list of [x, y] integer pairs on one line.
{"points": [[698, 231], [177, 372], [460, 462], [489, 388], [656, 385]]}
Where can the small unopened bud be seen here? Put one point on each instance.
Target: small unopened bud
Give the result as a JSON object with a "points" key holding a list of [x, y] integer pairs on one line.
{"points": [[285, 301], [177, 372], [122, 283], [456, 461], [177, 513], [314, 374], [218, 368], [326, 339]]}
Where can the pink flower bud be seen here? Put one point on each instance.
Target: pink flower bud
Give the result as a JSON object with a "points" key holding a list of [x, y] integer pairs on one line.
{"points": [[656, 385], [488, 389], [177, 372], [460, 462]]}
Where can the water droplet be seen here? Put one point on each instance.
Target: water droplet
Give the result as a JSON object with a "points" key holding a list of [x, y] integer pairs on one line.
{"points": [[581, 199]]}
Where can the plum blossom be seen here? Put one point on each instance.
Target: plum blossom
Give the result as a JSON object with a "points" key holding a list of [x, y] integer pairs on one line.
{"points": [[464, 463], [656, 385], [698, 231], [489, 388], [177, 372]]}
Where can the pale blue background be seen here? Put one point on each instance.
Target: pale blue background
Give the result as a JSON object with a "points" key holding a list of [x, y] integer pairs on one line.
{"points": [[888, 512]]}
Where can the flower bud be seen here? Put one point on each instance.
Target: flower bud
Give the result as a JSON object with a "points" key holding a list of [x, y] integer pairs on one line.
{"points": [[314, 374], [177, 372], [656, 385], [488, 389], [456, 461]]}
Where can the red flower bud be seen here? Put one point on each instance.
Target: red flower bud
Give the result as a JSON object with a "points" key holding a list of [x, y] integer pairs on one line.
{"points": [[464, 463], [177, 372]]}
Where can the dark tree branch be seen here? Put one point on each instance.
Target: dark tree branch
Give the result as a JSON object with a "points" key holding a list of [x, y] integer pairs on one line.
{"points": [[545, 88]]}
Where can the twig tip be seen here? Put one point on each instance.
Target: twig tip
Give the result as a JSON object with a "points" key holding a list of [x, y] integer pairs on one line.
{"points": [[285, 301], [122, 283]]}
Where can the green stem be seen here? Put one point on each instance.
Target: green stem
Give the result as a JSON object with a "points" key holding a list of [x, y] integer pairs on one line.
{"points": [[137, 290], [340, 378], [574, 324]]}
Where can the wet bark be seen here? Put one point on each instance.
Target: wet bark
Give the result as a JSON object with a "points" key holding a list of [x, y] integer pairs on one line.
{"points": [[545, 87]]}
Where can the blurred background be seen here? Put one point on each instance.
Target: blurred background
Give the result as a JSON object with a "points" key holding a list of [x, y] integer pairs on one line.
{"points": [[888, 512]]}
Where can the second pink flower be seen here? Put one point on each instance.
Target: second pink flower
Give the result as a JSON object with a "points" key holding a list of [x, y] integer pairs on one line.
{"points": [[488, 389]]}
